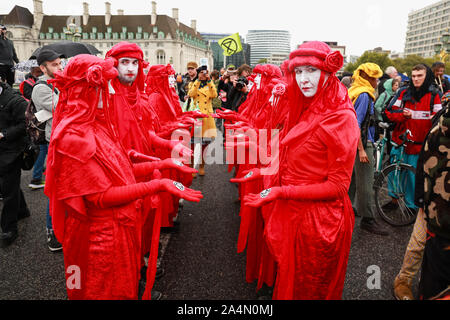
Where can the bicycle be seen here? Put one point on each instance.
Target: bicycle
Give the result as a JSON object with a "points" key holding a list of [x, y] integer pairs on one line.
{"points": [[391, 182]]}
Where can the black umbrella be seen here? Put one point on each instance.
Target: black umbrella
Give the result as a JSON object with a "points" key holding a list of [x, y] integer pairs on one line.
{"points": [[68, 49]]}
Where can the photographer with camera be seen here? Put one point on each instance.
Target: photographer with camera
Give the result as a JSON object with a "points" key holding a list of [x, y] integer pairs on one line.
{"points": [[7, 57], [234, 83]]}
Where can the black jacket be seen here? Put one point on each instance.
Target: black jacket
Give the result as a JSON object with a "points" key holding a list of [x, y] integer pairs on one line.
{"points": [[12, 124], [7, 52], [229, 89]]}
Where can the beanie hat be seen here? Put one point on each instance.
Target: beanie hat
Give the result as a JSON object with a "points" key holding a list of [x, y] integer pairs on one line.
{"points": [[317, 54]]}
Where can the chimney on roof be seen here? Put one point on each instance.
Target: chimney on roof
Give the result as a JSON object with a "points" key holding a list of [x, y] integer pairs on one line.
{"points": [[38, 14], [175, 15], [107, 13], [154, 15], [194, 25], [85, 13], [120, 12]]}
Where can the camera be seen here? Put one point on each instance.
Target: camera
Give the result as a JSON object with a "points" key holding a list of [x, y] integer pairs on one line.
{"points": [[241, 82]]}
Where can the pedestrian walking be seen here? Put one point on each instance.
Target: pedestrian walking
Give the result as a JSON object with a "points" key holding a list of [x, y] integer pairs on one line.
{"points": [[7, 57]]}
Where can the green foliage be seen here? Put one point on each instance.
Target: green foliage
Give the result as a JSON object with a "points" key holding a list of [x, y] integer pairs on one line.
{"points": [[261, 61], [380, 59]]}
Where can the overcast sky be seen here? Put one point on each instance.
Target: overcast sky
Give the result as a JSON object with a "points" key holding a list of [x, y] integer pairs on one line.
{"points": [[357, 24]]}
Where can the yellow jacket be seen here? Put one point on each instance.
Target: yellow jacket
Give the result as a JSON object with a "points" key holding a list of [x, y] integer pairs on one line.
{"points": [[203, 97]]}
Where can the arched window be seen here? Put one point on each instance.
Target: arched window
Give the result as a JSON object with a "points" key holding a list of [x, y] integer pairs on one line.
{"points": [[160, 35], [160, 57]]}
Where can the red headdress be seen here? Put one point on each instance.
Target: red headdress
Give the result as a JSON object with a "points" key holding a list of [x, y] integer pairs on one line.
{"points": [[161, 96], [130, 50], [331, 94], [82, 84]]}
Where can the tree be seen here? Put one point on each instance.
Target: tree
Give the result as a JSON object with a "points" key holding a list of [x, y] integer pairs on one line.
{"points": [[380, 59], [262, 61]]}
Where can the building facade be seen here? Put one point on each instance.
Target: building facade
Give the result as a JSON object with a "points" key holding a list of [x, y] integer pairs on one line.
{"points": [[237, 59], [425, 27], [264, 43], [163, 39]]}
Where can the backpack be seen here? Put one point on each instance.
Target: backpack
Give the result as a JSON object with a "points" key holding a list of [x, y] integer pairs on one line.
{"points": [[35, 129], [30, 81]]}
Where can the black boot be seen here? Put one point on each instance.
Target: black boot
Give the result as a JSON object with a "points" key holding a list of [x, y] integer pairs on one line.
{"points": [[7, 238], [372, 226]]}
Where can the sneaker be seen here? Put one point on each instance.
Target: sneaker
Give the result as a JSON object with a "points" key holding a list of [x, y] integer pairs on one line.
{"points": [[156, 295], [372, 226], [52, 242], [37, 184], [402, 289]]}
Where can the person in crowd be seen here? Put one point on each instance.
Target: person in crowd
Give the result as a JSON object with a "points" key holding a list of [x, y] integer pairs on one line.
{"points": [[96, 206], [202, 92], [435, 273], [45, 97], [217, 102], [414, 251], [362, 94], [12, 145], [413, 111], [189, 77], [390, 88], [441, 82], [226, 86], [390, 73], [7, 57], [316, 163], [31, 78], [347, 81]]}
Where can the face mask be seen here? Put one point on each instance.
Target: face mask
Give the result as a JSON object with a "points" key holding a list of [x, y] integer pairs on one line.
{"points": [[128, 69], [308, 78]]}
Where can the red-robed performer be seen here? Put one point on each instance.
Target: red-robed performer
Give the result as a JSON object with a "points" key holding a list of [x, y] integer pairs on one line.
{"points": [[137, 124], [91, 183], [309, 231]]}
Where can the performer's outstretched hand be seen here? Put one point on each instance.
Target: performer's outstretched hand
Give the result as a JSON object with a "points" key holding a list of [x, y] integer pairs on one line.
{"points": [[179, 148], [247, 176], [194, 114], [180, 191], [263, 198], [175, 164], [137, 157]]}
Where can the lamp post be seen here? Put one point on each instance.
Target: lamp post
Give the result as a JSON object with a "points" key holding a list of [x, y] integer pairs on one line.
{"points": [[442, 48]]}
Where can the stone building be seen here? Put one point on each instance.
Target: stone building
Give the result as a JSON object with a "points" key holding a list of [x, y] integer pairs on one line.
{"points": [[163, 39]]}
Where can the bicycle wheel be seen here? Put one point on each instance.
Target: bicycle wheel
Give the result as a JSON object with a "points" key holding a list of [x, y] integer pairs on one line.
{"points": [[396, 177]]}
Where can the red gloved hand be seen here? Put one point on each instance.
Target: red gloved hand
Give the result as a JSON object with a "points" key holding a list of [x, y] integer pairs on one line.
{"points": [[175, 164], [118, 196], [194, 114], [247, 176], [176, 146], [137, 157], [263, 198]]}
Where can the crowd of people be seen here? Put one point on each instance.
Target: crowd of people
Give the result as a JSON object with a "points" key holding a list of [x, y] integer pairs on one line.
{"points": [[117, 148]]}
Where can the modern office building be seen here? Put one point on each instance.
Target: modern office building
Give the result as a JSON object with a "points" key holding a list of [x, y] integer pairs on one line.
{"points": [[264, 43], [425, 27], [237, 59], [163, 39]]}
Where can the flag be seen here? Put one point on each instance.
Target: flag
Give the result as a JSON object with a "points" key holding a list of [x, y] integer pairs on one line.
{"points": [[231, 44]]}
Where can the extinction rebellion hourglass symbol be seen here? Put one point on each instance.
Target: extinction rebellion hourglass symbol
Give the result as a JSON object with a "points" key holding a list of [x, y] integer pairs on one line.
{"points": [[230, 45]]}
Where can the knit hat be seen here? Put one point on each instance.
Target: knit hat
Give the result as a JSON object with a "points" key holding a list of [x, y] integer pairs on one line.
{"points": [[317, 54], [192, 65]]}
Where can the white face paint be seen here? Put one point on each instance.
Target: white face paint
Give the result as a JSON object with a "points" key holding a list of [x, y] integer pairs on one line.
{"points": [[258, 81], [128, 70], [308, 78], [172, 81]]}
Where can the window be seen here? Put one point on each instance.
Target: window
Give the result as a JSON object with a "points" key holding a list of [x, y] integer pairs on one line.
{"points": [[160, 57], [139, 29]]}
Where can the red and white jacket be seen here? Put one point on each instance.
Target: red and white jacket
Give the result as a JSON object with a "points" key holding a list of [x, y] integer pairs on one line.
{"points": [[420, 122]]}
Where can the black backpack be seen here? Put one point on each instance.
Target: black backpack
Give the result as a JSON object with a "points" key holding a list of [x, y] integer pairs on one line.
{"points": [[35, 129]]}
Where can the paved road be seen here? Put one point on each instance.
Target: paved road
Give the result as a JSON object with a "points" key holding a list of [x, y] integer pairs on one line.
{"points": [[200, 261]]}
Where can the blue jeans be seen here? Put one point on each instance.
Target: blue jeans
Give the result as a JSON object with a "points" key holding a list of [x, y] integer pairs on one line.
{"points": [[410, 159], [40, 162], [49, 218]]}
